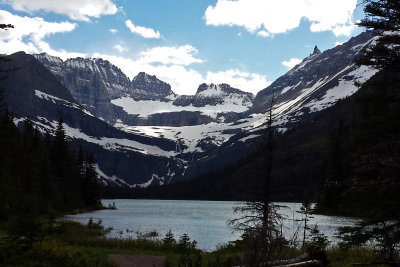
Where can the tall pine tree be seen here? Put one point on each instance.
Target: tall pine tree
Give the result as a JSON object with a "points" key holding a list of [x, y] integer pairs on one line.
{"points": [[375, 186], [383, 18], [90, 186]]}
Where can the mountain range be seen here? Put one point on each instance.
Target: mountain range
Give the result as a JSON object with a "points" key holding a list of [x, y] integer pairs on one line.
{"points": [[108, 93], [142, 133]]}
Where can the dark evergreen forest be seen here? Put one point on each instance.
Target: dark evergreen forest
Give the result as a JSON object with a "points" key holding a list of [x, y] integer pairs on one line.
{"points": [[41, 174]]}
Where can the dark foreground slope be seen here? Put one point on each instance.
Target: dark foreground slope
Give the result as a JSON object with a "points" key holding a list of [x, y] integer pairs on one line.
{"points": [[363, 166], [328, 159]]}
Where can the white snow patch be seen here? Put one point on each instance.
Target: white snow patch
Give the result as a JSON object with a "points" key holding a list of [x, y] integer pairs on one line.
{"points": [[190, 136], [113, 178], [145, 108], [344, 89], [64, 102], [244, 139], [290, 87], [17, 121], [114, 144], [154, 178], [146, 184]]}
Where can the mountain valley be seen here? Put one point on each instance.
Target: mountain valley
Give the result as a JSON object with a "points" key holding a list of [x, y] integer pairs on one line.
{"points": [[142, 133]]}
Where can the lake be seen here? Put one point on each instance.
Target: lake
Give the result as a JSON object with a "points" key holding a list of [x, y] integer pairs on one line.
{"points": [[203, 221]]}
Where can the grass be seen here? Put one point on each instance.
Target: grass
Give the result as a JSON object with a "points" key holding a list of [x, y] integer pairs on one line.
{"points": [[72, 244], [69, 243], [348, 257]]}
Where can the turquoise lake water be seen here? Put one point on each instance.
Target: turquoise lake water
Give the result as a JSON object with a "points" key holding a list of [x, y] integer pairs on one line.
{"points": [[203, 221]]}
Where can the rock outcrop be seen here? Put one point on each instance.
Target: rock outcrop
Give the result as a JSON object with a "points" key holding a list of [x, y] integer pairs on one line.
{"points": [[148, 87]]}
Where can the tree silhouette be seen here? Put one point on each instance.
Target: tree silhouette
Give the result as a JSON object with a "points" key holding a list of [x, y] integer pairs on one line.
{"points": [[383, 18], [258, 219]]}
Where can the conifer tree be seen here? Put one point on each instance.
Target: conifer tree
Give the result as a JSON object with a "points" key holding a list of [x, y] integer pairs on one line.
{"points": [[60, 140], [91, 188], [383, 18], [3, 27], [259, 220], [375, 177], [2, 104], [81, 163], [40, 173], [169, 238]]}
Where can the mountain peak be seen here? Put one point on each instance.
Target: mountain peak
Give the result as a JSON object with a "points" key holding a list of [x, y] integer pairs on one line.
{"points": [[212, 90], [46, 57], [204, 86], [316, 51], [143, 76], [149, 86]]}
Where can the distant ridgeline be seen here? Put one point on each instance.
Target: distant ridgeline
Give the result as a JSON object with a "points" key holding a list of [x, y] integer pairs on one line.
{"points": [[41, 174]]}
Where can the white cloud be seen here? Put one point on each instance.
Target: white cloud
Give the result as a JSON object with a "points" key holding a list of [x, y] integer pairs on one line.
{"points": [[292, 62], [181, 79], [263, 34], [113, 30], [273, 17], [29, 33], [75, 9], [170, 64], [184, 80], [181, 55], [338, 43], [249, 82], [345, 30], [167, 63], [142, 31], [121, 48]]}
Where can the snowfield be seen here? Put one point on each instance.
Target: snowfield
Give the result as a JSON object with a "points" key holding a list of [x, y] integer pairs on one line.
{"points": [[145, 108]]}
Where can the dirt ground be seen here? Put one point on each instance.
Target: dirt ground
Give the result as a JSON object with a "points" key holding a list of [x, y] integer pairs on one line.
{"points": [[132, 260]]}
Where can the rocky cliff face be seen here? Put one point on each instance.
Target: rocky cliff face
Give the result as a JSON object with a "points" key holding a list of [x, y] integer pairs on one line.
{"points": [[31, 91], [148, 87], [92, 82], [108, 93]]}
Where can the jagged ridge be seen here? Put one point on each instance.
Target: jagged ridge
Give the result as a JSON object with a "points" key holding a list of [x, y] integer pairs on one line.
{"points": [[107, 92]]}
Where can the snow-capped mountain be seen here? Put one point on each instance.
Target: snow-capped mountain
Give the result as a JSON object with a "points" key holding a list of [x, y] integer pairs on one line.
{"points": [[218, 94], [108, 93], [92, 82], [211, 103], [90, 71], [316, 83], [313, 85], [31, 91], [192, 135]]}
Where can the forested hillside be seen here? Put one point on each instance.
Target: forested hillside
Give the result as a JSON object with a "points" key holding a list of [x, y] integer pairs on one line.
{"points": [[41, 174]]}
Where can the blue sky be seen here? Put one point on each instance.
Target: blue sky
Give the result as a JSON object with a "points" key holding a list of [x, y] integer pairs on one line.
{"points": [[246, 43]]}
